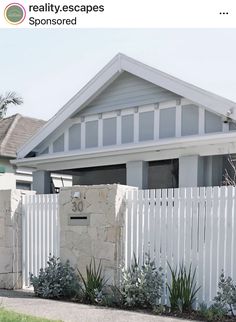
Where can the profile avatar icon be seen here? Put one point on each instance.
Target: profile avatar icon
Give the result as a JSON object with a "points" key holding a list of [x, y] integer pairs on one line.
{"points": [[14, 13]]}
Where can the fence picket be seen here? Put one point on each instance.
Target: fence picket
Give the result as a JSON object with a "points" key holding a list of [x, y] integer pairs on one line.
{"points": [[38, 227], [215, 244], [192, 225], [208, 242], [157, 244], [176, 227]]}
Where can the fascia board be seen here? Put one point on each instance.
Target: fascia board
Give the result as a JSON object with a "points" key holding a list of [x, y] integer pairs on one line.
{"points": [[214, 102], [160, 146]]}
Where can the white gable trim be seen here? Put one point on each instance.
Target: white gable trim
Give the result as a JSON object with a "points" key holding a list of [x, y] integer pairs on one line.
{"points": [[106, 76]]}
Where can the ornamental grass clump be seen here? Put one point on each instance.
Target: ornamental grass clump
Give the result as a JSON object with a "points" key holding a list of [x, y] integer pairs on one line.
{"points": [[182, 290], [142, 285], [93, 283], [57, 280]]}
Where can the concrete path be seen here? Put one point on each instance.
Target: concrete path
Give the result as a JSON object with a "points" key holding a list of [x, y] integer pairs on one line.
{"points": [[25, 302]]}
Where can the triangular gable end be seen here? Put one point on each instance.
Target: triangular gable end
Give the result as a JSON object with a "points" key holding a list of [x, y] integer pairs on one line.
{"points": [[127, 91], [108, 74]]}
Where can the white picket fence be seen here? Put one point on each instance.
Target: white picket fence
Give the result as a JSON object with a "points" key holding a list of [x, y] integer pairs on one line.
{"points": [[194, 226], [40, 233]]}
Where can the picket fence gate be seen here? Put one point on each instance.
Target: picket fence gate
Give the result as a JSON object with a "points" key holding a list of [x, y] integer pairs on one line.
{"points": [[40, 233], [193, 226]]}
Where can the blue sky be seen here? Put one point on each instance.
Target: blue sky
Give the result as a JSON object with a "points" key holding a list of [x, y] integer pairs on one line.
{"points": [[47, 66]]}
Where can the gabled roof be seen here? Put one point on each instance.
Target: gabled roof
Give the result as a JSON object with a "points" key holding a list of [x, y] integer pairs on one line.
{"points": [[15, 131], [122, 63]]}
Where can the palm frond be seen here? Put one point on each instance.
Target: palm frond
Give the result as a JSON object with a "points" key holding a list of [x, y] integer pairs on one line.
{"points": [[7, 99]]}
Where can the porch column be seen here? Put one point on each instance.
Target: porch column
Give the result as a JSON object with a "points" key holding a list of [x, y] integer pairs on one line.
{"points": [[190, 171], [42, 181], [137, 174], [214, 171]]}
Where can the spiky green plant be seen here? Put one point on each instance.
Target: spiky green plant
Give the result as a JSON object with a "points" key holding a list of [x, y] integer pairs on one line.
{"points": [[182, 290], [93, 283]]}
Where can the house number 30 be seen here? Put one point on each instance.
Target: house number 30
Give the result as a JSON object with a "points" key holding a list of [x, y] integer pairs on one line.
{"points": [[77, 206]]}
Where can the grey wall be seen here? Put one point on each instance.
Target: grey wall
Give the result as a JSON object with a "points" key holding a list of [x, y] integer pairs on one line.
{"points": [[91, 134], [190, 119], [146, 126], [58, 145], [213, 122], [127, 128], [167, 122], [232, 126], [75, 137], [128, 91], [102, 175], [45, 151], [42, 182], [109, 131]]}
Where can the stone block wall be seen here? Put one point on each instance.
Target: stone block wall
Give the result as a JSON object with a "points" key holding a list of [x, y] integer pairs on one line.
{"points": [[101, 236], [10, 239]]}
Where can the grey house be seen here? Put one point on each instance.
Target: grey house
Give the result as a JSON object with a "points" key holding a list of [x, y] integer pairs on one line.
{"points": [[135, 125]]}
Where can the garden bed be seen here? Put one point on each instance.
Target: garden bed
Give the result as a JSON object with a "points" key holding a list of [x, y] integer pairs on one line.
{"points": [[141, 290]]}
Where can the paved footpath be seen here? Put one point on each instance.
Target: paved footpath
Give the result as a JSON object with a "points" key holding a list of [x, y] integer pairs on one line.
{"points": [[25, 302]]}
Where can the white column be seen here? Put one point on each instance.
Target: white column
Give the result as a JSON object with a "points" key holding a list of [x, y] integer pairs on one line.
{"points": [[100, 131], [190, 171], [136, 126], [82, 134], [118, 128], [137, 174], [66, 138], [201, 120], [156, 122], [178, 119]]}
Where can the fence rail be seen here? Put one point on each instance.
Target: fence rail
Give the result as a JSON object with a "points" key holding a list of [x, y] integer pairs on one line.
{"points": [[40, 232], [194, 226]]}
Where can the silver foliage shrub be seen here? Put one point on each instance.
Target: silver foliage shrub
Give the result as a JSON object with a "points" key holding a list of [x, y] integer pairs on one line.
{"points": [[142, 285], [226, 295], [57, 280]]}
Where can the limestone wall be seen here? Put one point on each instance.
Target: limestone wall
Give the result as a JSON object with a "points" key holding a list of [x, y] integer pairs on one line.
{"points": [[101, 235], [10, 239]]}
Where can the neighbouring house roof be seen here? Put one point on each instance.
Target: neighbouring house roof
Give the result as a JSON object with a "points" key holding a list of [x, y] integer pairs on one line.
{"points": [[15, 131], [119, 64]]}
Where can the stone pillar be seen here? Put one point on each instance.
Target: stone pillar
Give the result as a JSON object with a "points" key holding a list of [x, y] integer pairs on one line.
{"points": [[10, 239], [137, 174], [191, 171], [99, 232], [42, 181]]}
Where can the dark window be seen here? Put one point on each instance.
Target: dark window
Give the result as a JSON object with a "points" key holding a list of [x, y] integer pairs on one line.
{"points": [[163, 174], [23, 185]]}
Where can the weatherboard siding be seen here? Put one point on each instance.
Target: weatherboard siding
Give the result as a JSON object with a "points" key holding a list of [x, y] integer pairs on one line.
{"points": [[128, 91]]}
